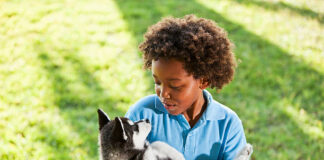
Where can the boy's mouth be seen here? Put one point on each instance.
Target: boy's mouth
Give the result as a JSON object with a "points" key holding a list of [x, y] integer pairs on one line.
{"points": [[169, 106]]}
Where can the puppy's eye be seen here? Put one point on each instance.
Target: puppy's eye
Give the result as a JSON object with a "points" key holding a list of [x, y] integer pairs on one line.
{"points": [[135, 127]]}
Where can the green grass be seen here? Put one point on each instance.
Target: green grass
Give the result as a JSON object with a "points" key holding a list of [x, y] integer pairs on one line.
{"points": [[61, 60]]}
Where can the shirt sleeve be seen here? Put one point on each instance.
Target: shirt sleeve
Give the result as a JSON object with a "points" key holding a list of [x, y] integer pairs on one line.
{"points": [[132, 114], [143, 108], [235, 140]]}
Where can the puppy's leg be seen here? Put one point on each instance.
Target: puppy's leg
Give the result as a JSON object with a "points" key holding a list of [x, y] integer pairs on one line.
{"points": [[159, 150], [245, 153]]}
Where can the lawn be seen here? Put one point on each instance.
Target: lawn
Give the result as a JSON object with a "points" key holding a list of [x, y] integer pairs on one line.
{"points": [[61, 60]]}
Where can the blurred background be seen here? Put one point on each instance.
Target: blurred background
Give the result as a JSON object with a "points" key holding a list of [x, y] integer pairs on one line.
{"points": [[60, 60]]}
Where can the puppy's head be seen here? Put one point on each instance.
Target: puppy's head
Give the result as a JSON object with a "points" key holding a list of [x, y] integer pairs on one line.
{"points": [[122, 132]]}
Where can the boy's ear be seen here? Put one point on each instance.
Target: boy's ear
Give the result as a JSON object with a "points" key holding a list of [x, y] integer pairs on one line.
{"points": [[203, 83], [102, 118], [118, 132]]}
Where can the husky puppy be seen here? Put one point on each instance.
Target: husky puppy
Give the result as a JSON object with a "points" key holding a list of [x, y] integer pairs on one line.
{"points": [[123, 139]]}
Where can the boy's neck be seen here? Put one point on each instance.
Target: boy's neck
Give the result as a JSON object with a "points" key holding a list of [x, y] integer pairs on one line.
{"points": [[193, 114]]}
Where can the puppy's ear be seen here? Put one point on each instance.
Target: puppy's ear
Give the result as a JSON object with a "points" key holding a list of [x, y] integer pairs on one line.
{"points": [[102, 118], [118, 132]]}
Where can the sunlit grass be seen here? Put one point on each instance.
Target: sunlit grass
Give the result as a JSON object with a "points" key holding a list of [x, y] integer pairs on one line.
{"points": [[312, 5], [294, 32], [280, 77], [38, 133], [60, 61], [311, 127]]}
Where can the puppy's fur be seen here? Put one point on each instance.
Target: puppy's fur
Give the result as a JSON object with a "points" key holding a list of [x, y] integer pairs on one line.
{"points": [[245, 153], [122, 139]]}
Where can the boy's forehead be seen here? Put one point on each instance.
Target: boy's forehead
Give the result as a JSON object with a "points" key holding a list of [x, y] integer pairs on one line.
{"points": [[170, 68]]}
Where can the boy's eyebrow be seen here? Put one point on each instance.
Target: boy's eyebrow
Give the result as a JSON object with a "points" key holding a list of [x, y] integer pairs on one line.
{"points": [[169, 79]]}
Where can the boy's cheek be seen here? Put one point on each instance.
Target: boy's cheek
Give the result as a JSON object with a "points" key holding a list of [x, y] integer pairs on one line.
{"points": [[157, 90]]}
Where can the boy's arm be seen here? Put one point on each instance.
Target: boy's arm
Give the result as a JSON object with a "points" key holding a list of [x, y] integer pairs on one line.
{"points": [[132, 115], [235, 140], [143, 108]]}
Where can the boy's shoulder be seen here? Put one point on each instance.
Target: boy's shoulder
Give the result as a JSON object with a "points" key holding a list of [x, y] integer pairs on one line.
{"points": [[144, 106], [145, 102], [228, 111], [217, 110], [222, 112]]}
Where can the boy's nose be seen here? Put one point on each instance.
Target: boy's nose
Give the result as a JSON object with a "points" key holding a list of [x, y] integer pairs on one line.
{"points": [[164, 93]]}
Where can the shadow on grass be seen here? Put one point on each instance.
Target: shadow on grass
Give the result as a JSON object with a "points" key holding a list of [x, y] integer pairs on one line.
{"points": [[281, 5], [77, 94], [266, 76]]}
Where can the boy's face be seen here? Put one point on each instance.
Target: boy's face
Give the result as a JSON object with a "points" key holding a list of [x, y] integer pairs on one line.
{"points": [[177, 90]]}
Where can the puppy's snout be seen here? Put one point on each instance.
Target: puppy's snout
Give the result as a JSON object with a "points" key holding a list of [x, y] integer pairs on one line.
{"points": [[144, 120]]}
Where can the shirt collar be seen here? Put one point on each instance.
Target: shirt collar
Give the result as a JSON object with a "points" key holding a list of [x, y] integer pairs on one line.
{"points": [[213, 111]]}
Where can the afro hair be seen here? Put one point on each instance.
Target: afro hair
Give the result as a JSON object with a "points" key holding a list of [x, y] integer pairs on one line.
{"points": [[202, 47]]}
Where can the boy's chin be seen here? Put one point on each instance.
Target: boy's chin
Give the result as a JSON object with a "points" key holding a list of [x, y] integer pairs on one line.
{"points": [[174, 112]]}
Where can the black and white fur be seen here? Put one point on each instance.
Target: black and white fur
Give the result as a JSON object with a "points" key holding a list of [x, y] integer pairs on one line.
{"points": [[123, 139]]}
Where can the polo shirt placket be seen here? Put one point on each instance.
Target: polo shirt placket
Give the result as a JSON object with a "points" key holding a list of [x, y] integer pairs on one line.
{"points": [[189, 134]]}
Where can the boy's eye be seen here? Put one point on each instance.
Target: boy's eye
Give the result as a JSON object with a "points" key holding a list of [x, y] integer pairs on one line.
{"points": [[174, 87], [157, 83]]}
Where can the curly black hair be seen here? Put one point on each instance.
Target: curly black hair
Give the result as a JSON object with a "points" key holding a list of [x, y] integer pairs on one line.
{"points": [[202, 46]]}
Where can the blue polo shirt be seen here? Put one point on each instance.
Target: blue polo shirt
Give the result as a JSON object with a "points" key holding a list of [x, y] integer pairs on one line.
{"points": [[217, 135]]}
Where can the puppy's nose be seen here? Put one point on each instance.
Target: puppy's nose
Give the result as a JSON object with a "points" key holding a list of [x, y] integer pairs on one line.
{"points": [[147, 121]]}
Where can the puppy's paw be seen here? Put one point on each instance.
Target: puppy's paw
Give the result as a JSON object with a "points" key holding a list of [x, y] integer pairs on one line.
{"points": [[245, 152]]}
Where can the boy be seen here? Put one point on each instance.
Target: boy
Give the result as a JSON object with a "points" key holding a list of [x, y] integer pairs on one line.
{"points": [[187, 55]]}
